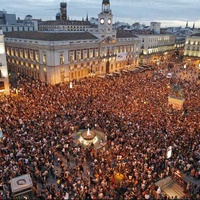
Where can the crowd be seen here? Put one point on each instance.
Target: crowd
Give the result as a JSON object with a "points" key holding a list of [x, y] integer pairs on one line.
{"points": [[133, 112]]}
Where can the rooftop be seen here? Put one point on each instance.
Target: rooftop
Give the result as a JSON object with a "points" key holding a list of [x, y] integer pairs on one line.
{"points": [[125, 34], [50, 36], [67, 22], [196, 34]]}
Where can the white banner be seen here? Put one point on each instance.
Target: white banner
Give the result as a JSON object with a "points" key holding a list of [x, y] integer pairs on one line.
{"points": [[121, 56]]}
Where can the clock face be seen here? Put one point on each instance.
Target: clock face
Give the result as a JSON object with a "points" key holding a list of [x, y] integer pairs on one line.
{"points": [[109, 21], [102, 21]]}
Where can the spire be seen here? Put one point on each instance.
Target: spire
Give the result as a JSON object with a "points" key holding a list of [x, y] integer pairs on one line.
{"points": [[186, 24], [193, 26], [87, 18]]}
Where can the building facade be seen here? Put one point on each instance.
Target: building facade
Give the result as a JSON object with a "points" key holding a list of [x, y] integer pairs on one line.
{"points": [[56, 57], [9, 23], [155, 44], [155, 27], [192, 50], [4, 80], [63, 25]]}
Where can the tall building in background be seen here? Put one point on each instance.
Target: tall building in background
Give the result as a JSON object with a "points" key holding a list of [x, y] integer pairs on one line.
{"points": [[155, 27], [8, 22], [63, 11], [4, 80]]}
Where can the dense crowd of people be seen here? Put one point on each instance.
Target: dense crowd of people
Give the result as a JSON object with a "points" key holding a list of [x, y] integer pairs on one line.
{"points": [[131, 110]]}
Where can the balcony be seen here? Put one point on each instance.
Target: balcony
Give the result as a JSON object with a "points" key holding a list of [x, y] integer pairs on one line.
{"points": [[108, 56]]}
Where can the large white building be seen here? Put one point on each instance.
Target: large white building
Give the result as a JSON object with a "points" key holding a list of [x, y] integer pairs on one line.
{"points": [[154, 44], [4, 80], [56, 57], [192, 50]]}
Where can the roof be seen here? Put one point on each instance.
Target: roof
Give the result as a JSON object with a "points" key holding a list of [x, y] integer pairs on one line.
{"points": [[65, 22], [106, 2], [125, 34], [50, 36], [196, 34]]}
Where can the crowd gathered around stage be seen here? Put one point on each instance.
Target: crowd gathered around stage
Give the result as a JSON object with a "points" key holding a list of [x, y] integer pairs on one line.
{"points": [[130, 109]]}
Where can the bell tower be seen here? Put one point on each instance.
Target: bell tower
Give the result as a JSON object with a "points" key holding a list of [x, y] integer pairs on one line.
{"points": [[105, 20]]}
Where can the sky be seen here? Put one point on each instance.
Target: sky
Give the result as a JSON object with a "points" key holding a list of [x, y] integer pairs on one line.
{"points": [[168, 12]]}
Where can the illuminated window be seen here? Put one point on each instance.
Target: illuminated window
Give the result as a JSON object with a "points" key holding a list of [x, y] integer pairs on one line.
{"points": [[85, 54], [26, 54], [31, 55], [44, 59], [78, 55], [61, 59], [45, 69], [71, 56], [8, 51], [21, 53], [16, 53], [37, 56], [12, 52]]}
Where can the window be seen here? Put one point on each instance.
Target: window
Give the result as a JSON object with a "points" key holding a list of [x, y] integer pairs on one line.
{"points": [[61, 59], [21, 53], [26, 54], [91, 53], [78, 55], [85, 54], [37, 56], [71, 56], [44, 59]]}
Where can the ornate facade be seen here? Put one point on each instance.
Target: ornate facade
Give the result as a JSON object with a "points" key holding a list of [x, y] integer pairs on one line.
{"points": [[55, 57]]}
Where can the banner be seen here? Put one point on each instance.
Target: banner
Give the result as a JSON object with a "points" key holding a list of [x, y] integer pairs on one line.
{"points": [[121, 56]]}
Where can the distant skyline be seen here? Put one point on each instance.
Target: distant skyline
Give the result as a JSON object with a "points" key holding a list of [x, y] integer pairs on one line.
{"points": [[168, 12]]}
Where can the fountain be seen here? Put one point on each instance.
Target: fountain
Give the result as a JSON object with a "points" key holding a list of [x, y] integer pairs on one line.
{"points": [[87, 137]]}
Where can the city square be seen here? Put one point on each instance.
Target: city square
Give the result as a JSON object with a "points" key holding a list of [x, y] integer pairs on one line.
{"points": [[90, 110], [133, 112]]}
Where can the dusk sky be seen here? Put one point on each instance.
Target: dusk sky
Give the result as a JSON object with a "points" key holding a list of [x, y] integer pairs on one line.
{"points": [[168, 12]]}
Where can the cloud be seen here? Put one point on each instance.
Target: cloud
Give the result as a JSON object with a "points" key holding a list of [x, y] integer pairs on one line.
{"points": [[129, 11]]}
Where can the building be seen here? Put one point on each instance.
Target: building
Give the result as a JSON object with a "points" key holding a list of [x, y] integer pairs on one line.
{"points": [[155, 27], [63, 11], [63, 25], [56, 57], [62, 22], [9, 23], [4, 80], [192, 50], [154, 44]]}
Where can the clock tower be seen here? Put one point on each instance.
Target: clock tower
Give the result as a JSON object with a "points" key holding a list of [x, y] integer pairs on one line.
{"points": [[105, 20]]}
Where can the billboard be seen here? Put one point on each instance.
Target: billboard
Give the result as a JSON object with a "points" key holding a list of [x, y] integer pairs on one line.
{"points": [[121, 56]]}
